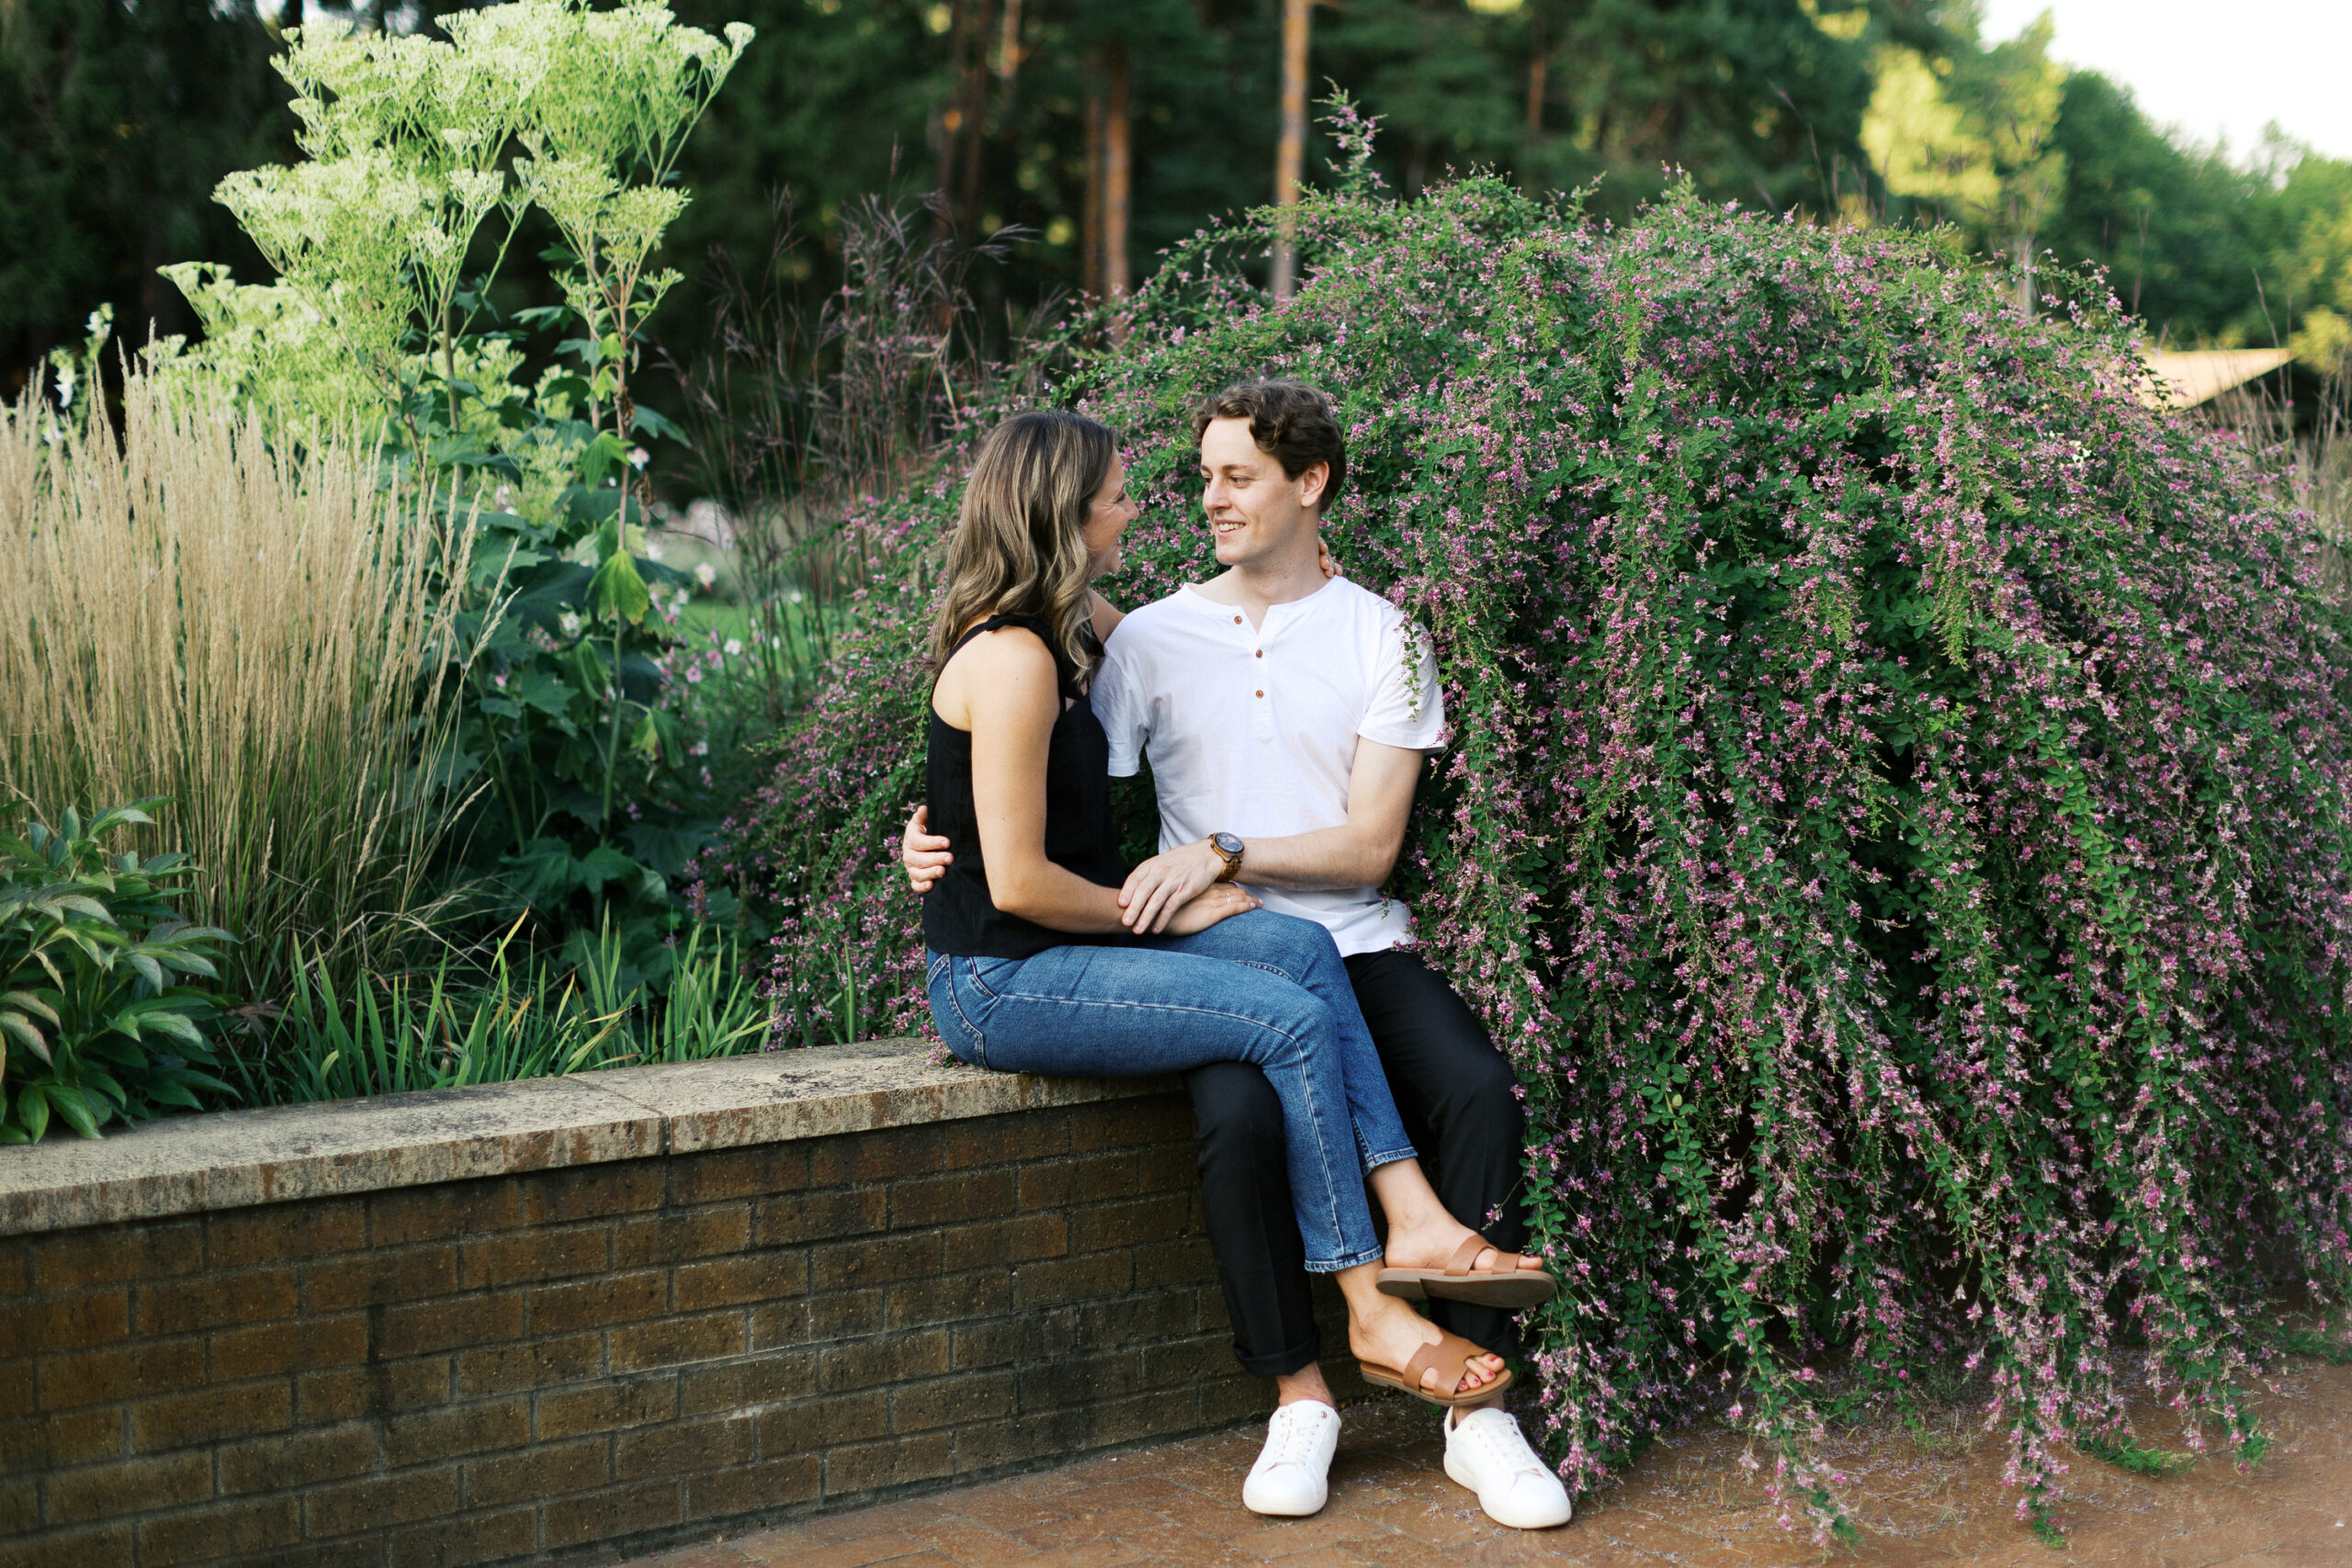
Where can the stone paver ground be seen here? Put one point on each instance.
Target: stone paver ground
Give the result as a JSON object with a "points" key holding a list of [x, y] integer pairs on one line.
{"points": [[1927, 1497]]}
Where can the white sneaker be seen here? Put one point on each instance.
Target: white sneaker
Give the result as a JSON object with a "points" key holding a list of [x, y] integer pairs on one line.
{"points": [[1485, 1453], [1291, 1477]]}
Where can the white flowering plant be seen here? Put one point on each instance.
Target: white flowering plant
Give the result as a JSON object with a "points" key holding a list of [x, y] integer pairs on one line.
{"points": [[420, 158]]}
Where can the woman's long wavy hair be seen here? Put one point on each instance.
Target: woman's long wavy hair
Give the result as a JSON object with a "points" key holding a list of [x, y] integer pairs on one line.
{"points": [[1017, 548]]}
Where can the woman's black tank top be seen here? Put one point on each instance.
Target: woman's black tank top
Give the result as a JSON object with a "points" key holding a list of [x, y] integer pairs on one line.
{"points": [[958, 915]]}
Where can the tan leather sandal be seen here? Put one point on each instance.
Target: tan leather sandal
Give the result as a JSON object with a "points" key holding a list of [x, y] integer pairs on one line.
{"points": [[1450, 1351], [1506, 1285]]}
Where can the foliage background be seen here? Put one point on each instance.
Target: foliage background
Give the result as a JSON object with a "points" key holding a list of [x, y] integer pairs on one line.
{"points": [[1895, 819]]}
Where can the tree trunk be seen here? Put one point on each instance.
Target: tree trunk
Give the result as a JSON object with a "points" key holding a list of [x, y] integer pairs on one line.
{"points": [[1090, 220], [1535, 73], [959, 145], [1290, 153], [1115, 178]]}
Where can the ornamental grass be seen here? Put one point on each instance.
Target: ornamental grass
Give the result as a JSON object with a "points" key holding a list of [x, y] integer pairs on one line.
{"points": [[1895, 817], [189, 611]]}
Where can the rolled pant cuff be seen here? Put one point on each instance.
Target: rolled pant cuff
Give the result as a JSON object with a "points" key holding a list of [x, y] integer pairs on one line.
{"points": [[1374, 1161], [1283, 1363], [1354, 1260]]}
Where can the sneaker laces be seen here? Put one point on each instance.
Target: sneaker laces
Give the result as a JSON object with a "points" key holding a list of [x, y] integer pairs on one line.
{"points": [[1292, 1436], [1501, 1439]]}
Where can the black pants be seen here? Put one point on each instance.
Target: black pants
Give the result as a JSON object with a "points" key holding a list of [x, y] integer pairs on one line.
{"points": [[1460, 1107]]}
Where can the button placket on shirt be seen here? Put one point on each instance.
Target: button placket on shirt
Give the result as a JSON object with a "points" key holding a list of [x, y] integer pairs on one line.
{"points": [[1262, 703]]}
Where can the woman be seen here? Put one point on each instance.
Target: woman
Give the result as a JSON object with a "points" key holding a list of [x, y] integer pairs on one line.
{"points": [[1031, 966]]}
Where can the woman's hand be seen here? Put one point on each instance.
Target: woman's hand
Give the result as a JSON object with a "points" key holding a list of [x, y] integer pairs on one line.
{"points": [[923, 851], [1324, 558], [1221, 902], [1165, 884]]}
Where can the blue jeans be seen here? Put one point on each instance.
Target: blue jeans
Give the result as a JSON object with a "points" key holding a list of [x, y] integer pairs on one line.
{"points": [[1258, 987]]}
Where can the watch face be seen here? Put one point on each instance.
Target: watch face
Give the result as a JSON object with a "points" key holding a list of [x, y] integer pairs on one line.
{"points": [[1226, 842]]}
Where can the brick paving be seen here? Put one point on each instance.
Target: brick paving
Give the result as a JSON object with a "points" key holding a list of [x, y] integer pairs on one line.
{"points": [[1927, 1495]]}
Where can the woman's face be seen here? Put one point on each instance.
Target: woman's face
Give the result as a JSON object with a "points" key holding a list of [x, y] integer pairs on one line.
{"points": [[1107, 517]]}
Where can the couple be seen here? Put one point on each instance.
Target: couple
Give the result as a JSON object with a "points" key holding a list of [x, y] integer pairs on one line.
{"points": [[1286, 715]]}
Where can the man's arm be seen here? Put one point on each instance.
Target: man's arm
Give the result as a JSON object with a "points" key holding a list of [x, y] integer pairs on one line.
{"points": [[1359, 853]]}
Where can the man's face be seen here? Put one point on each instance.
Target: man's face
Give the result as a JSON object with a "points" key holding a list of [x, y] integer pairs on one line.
{"points": [[1255, 509]]}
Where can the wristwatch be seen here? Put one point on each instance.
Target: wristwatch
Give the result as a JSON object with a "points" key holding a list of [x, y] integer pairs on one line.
{"points": [[1228, 848]]}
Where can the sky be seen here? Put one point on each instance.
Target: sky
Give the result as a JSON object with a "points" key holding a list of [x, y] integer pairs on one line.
{"points": [[2211, 68]]}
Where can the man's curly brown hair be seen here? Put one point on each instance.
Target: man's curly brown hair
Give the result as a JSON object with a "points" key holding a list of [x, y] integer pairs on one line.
{"points": [[1290, 422]]}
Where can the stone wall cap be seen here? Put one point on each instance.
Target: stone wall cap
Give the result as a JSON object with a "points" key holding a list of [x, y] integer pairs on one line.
{"points": [[236, 1160]]}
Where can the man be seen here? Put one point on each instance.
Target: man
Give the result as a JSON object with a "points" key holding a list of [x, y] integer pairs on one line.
{"points": [[1286, 715]]}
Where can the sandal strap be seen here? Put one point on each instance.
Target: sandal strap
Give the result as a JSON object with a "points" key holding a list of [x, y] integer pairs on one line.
{"points": [[1467, 1254], [1431, 1358]]}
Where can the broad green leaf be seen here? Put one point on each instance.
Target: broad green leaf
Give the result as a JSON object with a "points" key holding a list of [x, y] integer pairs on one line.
{"points": [[32, 1110], [618, 590], [20, 1026], [76, 1111], [30, 1003]]}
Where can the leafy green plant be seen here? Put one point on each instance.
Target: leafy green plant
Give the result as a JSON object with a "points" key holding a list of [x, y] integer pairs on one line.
{"points": [[98, 1021], [519, 1015]]}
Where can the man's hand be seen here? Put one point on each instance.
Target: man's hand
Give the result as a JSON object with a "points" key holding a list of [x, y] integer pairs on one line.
{"points": [[1214, 904], [1165, 884], [923, 851]]}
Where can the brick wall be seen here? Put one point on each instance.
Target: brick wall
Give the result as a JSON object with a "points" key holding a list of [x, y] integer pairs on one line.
{"points": [[615, 1354]]}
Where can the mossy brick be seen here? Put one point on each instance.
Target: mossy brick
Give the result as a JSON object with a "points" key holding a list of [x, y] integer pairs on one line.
{"points": [[1021, 1239], [107, 1546], [850, 1265], [376, 1392], [240, 1238], [809, 1425], [1002, 1140], [858, 1468], [948, 1298], [41, 1326], [305, 1344], [1169, 1167], [1095, 1277], [885, 1359], [751, 1490], [380, 1279], [817, 1320], [726, 1175], [539, 1471], [1142, 1319], [593, 1191], [216, 1301], [960, 1399], [119, 1372], [733, 1282], [676, 1341], [1163, 1413], [675, 1237], [444, 1211], [297, 1459], [20, 1504], [17, 1387], [185, 1420], [347, 1507], [948, 1199], [1194, 1359], [1068, 1383], [114, 1255], [532, 1257], [51, 1441], [1097, 1227], [459, 1323], [631, 1297], [463, 1541], [1027, 1338], [1086, 1179], [606, 1406], [615, 1512], [827, 1214], [1237, 1397], [988, 1447], [531, 1364], [1127, 1124], [685, 1448], [892, 1154], [218, 1530], [457, 1432], [753, 1383], [126, 1487], [1184, 1260]]}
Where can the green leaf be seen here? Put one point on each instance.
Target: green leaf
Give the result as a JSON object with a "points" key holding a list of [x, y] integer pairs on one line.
{"points": [[69, 1104], [618, 590], [32, 1111], [149, 970], [20, 1026], [30, 1003], [179, 1026], [604, 863]]}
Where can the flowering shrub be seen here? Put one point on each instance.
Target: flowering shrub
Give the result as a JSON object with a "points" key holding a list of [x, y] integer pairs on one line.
{"points": [[1895, 820]]}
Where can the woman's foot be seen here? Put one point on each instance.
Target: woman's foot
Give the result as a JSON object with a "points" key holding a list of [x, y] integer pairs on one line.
{"points": [[1393, 1335], [1433, 1243]]}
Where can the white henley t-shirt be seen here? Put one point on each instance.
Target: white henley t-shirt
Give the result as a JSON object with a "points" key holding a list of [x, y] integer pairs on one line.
{"points": [[1253, 729]]}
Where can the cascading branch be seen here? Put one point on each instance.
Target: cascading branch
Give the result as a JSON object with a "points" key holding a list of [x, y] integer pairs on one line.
{"points": [[1895, 816]]}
